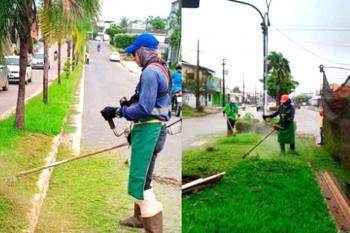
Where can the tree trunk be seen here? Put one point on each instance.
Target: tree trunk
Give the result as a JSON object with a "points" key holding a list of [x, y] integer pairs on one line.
{"points": [[278, 92], [69, 48], [23, 62], [73, 55], [46, 72], [59, 63]]}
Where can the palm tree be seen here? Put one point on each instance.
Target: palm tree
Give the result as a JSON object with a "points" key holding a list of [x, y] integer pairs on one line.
{"points": [[16, 20], [278, 67]]}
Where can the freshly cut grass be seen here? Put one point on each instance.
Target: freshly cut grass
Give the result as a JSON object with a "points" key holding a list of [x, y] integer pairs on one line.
{"points": [[87, 196], [262, 197], [21, 150], [266, 193]]}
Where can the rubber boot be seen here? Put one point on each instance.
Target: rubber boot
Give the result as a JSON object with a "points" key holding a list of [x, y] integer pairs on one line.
{"points": [[135, 220], [283, 148], [154, 224]]}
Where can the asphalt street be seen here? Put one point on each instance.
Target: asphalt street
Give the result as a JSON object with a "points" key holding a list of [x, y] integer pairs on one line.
{"points": [[8, 99], [197, 131], [105, 83]]}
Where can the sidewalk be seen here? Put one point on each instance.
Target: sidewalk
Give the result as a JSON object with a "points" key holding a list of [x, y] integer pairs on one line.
{"points": [[131, 66]]}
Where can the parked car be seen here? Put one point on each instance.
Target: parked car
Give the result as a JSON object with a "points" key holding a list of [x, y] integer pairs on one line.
{"points": [[12, 63], [38, 61], [98, 38], [115, 56], [4, 78]]}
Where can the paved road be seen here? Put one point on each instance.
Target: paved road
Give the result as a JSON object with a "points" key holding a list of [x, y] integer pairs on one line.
{"points": [[105, 83], [8, 99], [196, 130]]}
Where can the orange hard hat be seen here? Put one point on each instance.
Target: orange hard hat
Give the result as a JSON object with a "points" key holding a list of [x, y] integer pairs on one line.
{"points": [[284, 98]]}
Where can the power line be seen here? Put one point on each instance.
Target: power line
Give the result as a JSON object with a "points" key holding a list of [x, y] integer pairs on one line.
{"points": [[308, 50]]}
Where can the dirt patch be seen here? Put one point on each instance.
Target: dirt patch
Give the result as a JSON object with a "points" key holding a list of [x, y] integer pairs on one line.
{"points": [[337, 202]]}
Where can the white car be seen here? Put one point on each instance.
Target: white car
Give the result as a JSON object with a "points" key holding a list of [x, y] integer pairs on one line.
{"points": [[115, 56], [38, 61], [4, 78], [98, 38], [12, 63]]}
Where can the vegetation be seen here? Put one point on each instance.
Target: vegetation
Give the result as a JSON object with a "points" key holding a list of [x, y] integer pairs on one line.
{"points": [[267, 188], [236, 90], [280, 80], [187, 112], [123, 40], [21, 150], [299, 99]]}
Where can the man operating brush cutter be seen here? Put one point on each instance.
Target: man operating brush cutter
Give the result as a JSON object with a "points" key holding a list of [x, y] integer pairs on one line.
{"points": [[286, 126], [149, 109]]}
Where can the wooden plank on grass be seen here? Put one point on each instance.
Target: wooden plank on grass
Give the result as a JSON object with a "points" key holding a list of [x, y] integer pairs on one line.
{"points": [[201, 183]]}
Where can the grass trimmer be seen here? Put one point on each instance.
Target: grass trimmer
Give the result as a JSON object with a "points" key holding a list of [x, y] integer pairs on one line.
{"points": [[256, 145], [116, 133]]}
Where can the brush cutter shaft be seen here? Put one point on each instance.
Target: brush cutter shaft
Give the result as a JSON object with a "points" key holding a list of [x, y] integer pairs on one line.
{"points": [[256, 145], [34, 170]]}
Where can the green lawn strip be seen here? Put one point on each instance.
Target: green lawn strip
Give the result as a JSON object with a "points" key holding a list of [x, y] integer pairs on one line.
{"points": [[87, 196], [267, 193], [188, 112], [260, 196], [21, 150]]}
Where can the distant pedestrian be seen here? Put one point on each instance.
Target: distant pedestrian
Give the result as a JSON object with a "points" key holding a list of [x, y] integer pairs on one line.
{"points": [[321, 127], [232, 114], [286, 125]]}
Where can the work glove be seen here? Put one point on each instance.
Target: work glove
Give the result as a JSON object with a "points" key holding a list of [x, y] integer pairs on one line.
{"points": [[277, 127], [123, 101], [264, 117], [109, 113]]}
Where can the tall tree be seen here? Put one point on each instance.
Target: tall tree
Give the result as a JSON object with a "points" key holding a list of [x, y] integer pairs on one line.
{"points": [[280, 80], [174, 26], [16, 20]]}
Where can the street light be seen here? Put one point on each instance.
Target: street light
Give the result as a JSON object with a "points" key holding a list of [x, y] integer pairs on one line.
{"points": [[264, 26]]}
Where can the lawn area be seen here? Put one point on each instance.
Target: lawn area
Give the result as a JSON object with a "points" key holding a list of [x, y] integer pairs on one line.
{"points": [[191, 112], [87, 196], [266, 193], [21, 150]]}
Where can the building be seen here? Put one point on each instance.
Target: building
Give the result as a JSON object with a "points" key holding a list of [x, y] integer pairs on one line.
{"points": [[210, 85]]}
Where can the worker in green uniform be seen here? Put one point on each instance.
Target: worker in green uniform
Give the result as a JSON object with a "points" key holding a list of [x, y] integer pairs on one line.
{"points": [[231, 111], [286, 126]]}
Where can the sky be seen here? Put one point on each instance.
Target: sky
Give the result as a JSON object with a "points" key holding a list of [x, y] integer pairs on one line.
{"points": [[134, 9], [307, 33]]}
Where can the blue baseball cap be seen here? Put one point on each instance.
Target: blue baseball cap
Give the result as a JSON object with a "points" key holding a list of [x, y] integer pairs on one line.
{"points": [[144, 40]]}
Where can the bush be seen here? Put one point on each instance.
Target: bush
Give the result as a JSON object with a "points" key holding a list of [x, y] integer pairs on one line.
{"points": [[123, 40]]}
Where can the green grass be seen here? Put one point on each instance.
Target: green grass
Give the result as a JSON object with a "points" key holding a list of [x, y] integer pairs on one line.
{"points": [[21, 150], [191, 112], [87, 196], [264, 194]]}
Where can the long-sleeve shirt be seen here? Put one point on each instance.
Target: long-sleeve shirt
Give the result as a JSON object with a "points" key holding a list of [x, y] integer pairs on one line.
{"points": [[177, 81], [149, 105], [231, 111], [286, 114]]}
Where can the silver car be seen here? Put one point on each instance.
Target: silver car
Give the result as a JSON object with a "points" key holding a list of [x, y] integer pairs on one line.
{"points": [[12, 63], [38, 61], [4, 78]]}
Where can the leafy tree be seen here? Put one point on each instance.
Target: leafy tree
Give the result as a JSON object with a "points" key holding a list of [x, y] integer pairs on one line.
{"points": [[280, 80], [115, 29], [157, 22], [16, 20], [174, 27], [236, 90], [124, 22], [299, 99]]}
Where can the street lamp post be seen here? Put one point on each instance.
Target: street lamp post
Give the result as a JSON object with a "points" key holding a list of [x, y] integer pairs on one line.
{"points": [[264, 27]]}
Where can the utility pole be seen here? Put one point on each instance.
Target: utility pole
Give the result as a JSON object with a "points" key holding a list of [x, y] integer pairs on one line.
{"points": [[223, 81], [197, 92], [265, 27]]}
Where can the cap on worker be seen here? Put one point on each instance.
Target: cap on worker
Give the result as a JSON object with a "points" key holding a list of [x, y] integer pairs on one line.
{"points": [[144, 40], [284, 98]]}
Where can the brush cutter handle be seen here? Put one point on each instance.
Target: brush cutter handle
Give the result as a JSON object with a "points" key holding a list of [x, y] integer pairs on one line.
{"points": [[111, 124]]}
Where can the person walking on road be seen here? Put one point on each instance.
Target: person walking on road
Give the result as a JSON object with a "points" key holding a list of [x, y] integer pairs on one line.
{"points": [[286, 126], [149, 109], [321, 127], [232, 114], [176, 78]]}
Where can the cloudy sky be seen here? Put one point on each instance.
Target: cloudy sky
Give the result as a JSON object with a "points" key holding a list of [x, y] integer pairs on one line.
{"points": [[307, 33], [134, 9]]}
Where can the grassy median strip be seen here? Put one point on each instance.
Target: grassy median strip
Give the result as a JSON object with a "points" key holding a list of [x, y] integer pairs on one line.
{"points": [[264, 194], [20, 150], [87, 196]]}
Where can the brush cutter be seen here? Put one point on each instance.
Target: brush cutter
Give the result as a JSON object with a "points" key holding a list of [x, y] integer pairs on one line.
{"points": [[125, 132], [256, 145]]}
